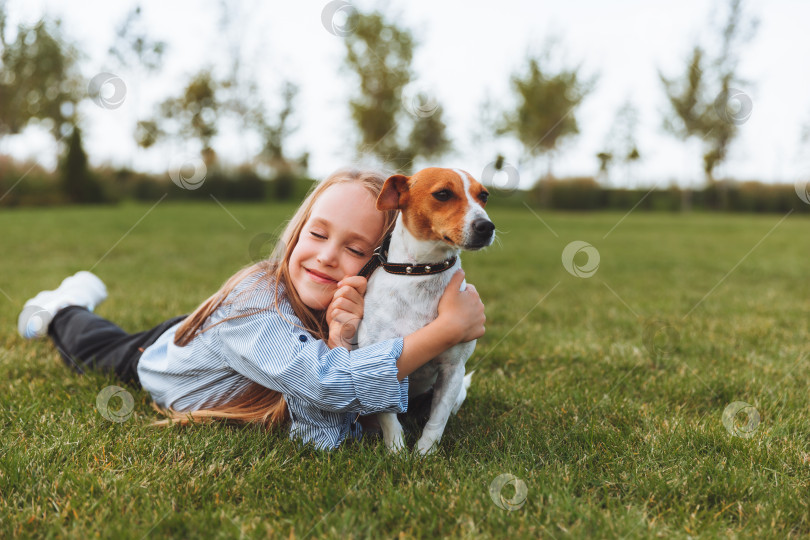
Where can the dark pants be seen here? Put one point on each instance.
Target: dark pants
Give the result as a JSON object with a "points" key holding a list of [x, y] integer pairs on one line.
{"points": [[89, 342]]}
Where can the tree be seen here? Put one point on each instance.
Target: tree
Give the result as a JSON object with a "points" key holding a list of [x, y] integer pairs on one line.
{"points": [[197, 111], [274, 135], [487, 122], [3, 18], [191, 115], [621, 145], [428, 137], [546, 105], [605, 160], [78, 183], [136, 52], [232, 95], [703, 100], [40, 80], [133, 48], [380, 53], [241, 99]]}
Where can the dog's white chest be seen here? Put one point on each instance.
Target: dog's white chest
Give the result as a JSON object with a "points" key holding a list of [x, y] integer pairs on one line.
{"points": [[395, 306]]}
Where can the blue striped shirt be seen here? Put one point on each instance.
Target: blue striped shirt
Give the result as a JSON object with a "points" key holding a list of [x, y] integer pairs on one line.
{"points": [[325, 389]]}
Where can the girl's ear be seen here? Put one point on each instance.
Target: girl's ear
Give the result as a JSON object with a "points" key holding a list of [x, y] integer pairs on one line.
{"points": [[390, 196]]}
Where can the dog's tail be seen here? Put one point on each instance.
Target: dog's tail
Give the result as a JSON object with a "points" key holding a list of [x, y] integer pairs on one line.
{"points": [[462, 395]]}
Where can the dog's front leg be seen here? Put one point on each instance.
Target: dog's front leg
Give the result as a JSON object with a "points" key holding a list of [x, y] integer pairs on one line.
{"points": [[392, 431], [445, 393]]}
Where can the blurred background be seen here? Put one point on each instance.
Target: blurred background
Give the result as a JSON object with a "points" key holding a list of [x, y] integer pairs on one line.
{"points": [[576, 105]]}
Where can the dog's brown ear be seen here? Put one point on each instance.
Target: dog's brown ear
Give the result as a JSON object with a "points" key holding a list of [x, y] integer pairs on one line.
{"points": [[391, 194]]}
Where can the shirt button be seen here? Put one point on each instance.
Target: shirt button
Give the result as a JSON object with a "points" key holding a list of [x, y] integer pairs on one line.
{"points": [[302, 338]]}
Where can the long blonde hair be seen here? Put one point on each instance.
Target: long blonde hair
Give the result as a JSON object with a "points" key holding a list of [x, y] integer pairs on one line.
{"points": [[257, 403]]}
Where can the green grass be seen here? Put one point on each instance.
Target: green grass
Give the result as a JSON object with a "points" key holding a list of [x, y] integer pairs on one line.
{"points": [[611, 436]]}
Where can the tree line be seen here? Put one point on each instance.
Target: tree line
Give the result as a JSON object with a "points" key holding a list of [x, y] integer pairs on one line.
{"points": [[41, 83]]}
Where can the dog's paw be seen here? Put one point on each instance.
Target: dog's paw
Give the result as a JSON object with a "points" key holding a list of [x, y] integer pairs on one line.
{"points": [[395, 442], [427, 446]]}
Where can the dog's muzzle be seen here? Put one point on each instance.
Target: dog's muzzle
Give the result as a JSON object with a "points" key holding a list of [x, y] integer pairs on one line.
{"points": [[483, 231]]}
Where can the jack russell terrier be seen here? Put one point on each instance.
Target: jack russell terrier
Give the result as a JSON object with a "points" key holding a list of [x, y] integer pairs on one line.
{"points": [[441, 213]]}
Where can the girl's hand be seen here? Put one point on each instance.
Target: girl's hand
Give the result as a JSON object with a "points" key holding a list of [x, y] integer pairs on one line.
{"points": [[461, 318], [345, 311], [462, 312]]}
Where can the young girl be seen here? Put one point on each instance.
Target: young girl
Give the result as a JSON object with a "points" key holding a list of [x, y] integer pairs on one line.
{"points": [[268, 346]]}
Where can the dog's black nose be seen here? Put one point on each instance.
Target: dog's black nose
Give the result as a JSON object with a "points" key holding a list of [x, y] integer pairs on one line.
{"points": [[483, 226]]}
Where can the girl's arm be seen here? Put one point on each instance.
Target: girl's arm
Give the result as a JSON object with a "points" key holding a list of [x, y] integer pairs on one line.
{"points": [[266, 348], [270, 351], [461, 318]]}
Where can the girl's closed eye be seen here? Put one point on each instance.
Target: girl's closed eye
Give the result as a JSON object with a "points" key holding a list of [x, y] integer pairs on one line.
{"points": [[354, 250]]}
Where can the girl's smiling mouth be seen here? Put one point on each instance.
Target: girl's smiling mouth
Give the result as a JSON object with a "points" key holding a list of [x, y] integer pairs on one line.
{"points": [[318, 277]]}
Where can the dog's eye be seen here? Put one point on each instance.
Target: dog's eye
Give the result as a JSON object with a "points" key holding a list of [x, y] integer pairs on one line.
{"points": [[443, 195], [484, 196]]}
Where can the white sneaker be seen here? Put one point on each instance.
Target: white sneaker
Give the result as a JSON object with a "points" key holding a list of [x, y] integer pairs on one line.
{"points": [[81, 289]]}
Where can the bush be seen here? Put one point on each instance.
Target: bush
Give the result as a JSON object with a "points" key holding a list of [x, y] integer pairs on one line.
{"points": [[40, 187], [584, 193], [27, 184]]}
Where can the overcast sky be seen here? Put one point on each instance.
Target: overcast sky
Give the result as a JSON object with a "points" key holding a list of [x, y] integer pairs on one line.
{"points": [[467, 50]]}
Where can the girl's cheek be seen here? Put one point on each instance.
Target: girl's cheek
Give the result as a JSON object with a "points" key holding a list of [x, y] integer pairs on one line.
{"points": [[354, 266]]}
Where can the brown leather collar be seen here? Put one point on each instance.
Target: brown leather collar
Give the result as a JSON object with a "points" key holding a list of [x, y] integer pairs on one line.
{"points": [[380, 258]]}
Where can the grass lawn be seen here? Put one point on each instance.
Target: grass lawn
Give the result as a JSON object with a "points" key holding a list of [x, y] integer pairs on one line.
{"points": [[603, 396]]}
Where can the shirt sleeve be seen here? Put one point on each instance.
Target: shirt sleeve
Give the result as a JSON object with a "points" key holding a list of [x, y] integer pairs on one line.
{"points": [[276, 354]]}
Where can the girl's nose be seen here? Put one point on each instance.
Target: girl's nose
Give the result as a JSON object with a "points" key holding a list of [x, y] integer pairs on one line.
{"points": [[328, 256]]}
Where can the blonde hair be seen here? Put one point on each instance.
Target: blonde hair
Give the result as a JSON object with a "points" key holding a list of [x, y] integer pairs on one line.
{"points": [[256, 403]]}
